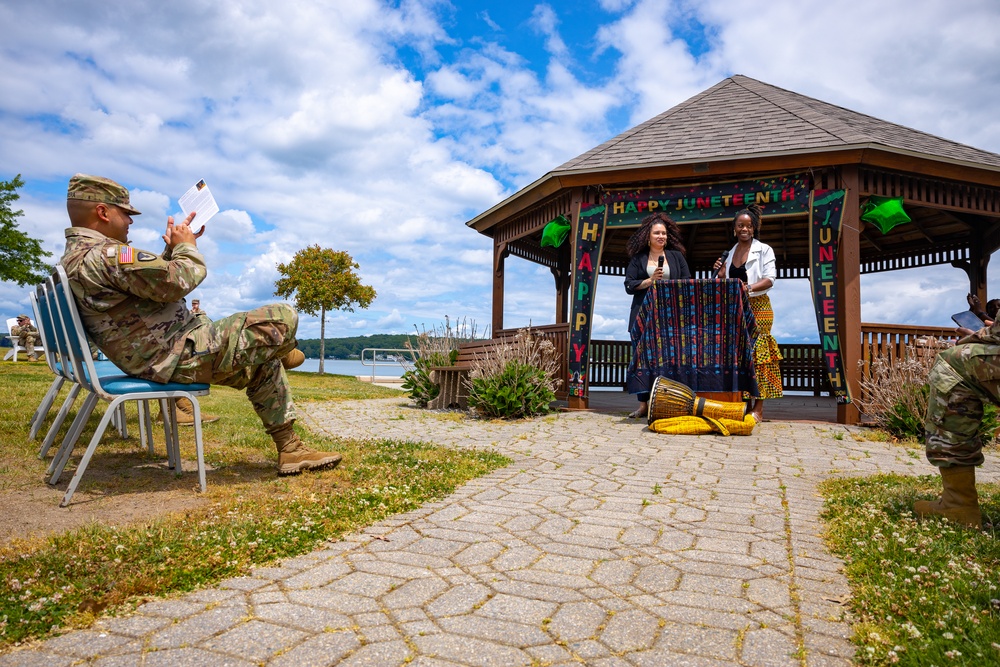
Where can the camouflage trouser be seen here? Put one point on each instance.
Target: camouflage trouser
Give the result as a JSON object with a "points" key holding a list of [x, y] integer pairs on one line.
{"points": [[961, 379], [28, 342], [244, 351]]}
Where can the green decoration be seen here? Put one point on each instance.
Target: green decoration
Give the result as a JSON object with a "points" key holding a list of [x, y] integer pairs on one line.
{"points": [[555, 232], [884, 212]]}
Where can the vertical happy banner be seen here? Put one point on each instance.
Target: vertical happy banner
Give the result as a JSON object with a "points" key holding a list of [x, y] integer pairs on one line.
{"points": [[586, 260], [826, 210]]}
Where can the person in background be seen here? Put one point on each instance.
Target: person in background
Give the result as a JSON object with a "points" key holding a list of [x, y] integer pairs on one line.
{"points": [[988, 315], [753, 262], [196, 306], [656, 252], [27, 335], [132, 305]]}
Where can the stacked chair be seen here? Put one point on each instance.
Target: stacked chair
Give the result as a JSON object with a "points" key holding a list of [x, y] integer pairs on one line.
{"points": [[61, 325]]}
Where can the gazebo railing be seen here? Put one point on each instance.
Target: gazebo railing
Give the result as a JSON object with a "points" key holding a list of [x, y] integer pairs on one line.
{"points": [[802, 367]]}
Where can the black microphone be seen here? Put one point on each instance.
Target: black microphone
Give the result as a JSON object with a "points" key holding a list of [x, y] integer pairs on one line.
{"points": [[722, 259], [659, 261]]}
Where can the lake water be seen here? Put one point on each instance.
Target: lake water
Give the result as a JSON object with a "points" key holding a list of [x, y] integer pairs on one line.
{"points": [[352, 367]]}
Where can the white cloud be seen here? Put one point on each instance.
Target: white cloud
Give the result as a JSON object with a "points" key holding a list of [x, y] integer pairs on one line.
{"points": [[365, 126]]}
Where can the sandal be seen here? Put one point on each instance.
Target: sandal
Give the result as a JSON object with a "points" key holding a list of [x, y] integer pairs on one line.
{"points": [[638, 414]]}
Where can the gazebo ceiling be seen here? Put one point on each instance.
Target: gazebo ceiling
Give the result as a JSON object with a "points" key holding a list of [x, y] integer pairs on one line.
{"points": [[743, 128], [933, 236]]}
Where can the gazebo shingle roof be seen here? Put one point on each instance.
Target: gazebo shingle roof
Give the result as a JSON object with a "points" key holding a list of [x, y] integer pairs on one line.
{"points": [[743, 117]]}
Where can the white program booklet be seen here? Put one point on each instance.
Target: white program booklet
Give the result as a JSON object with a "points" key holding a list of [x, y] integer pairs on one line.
{"points": [[199, 198]]}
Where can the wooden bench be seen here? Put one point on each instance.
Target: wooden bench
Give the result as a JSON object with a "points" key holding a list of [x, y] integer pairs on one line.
{"points": [[453, 380]]}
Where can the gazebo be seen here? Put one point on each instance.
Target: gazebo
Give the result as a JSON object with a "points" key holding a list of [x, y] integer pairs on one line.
{"points": [[811, 165]]}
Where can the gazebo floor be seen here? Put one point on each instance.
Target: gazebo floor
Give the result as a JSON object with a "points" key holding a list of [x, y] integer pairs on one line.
{"points": [[789, 408]]}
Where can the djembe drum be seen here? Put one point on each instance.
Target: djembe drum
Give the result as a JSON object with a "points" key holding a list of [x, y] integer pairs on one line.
{"points": [[670, 398]]}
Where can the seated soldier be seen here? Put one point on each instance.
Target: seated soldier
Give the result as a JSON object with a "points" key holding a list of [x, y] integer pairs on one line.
{"points": [[132, 305], [27, 335]]}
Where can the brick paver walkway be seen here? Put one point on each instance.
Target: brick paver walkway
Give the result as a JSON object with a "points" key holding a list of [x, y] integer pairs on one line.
{"points": [[603, 544]]}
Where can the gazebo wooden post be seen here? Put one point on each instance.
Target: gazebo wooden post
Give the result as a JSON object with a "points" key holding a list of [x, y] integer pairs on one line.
{"points": [[849, 301], [563, 277], [978, 261], [500, 253]]}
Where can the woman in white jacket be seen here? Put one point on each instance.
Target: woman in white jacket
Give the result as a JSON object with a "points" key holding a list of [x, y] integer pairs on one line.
{"points": [[753, 262]]}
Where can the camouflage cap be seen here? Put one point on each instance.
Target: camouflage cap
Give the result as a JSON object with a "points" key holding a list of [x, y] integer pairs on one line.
{"points": [[102, 190], [23, 317]]}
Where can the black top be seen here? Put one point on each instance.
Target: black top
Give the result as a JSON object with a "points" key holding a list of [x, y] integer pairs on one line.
{"points": [[637, 272], [738, 272]]}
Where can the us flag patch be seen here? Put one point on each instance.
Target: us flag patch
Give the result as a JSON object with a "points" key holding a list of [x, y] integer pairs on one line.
{"points": [[125, 254]]}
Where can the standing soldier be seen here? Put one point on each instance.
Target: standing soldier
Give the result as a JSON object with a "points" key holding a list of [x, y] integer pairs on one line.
{"points": [[962, 378], [132, 305]]}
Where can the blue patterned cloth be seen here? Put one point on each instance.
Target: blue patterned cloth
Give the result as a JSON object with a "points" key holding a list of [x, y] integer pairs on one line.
{"points": [[698, 332]]}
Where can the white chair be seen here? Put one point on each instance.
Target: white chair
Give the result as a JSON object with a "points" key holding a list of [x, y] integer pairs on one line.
{"points": [[116, 389], [17, 346]]}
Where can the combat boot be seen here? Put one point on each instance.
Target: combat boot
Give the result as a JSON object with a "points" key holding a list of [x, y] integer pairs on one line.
{"points": [[293, 359], [294, 457], [959, 502], [185, 414]]}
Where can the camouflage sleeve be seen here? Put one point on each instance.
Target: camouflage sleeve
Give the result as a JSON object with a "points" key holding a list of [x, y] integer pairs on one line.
{"points": [[154, 277], [989, 335]]}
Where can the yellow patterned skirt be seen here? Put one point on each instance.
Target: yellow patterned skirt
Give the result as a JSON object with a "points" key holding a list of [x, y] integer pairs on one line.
{"points": [[765, 352]]}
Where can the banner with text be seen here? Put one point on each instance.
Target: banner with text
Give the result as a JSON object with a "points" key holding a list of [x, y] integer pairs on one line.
{"points": [[777, 196], [587, 259], [826, 210]]}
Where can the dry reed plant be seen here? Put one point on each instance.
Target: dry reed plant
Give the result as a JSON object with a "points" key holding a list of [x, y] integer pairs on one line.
{"points": [[893, 390], [437, 347], [437, 344], [525, 349], [514, 378]]}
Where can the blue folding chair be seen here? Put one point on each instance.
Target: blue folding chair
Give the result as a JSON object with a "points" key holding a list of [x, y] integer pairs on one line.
{"points": [[116, 389], [57, 383], [44, 306]]}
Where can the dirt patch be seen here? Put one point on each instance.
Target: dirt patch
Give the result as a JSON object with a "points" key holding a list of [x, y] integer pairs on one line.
{"points": [[33, 510]]}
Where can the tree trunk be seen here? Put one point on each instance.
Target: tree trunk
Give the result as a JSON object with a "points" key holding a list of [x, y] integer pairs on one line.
{"points": [[322, 337]]}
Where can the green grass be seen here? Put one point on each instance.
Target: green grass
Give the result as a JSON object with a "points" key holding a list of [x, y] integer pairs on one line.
{"points": [[923, 593], [250, 516]]}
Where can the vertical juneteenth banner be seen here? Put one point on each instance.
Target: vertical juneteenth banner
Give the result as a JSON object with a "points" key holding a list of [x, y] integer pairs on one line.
{"points": [[586, 260], [826, 210]]}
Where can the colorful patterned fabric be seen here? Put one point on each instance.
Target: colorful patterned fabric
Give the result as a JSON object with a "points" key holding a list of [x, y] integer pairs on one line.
{"points": [[698, 332], [766, 356]]}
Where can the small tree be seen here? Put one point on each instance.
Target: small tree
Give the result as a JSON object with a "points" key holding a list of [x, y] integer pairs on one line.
{"points": [[20, 255], [320, 280]]}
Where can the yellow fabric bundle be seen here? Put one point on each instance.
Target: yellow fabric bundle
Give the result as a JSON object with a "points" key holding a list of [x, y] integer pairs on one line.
{"points": [[691, 425]]}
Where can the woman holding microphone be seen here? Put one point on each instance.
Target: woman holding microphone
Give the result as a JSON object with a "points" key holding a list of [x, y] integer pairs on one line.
{"points": [[753, 262], [656, 252]]}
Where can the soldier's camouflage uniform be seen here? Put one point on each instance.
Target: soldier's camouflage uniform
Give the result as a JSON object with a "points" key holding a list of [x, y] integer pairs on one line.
{"points": [[132, 305], [27, 336], [962, 378]]}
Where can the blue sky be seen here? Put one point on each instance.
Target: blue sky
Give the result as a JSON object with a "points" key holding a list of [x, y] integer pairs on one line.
{"points": [[380, 128]]}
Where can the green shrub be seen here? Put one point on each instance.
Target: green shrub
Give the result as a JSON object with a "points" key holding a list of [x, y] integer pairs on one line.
{"points": [[901, 420], [520, 390], [514, 379], [437, 347], [418, 380]]}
